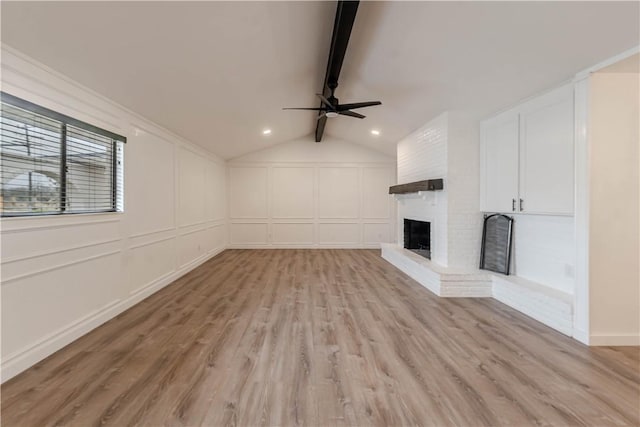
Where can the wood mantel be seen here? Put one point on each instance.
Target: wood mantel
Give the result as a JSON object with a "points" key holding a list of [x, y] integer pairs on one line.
{"points": [[414, 187]]}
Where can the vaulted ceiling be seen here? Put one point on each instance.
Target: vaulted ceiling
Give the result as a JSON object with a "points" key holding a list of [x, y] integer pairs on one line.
{"points": [[218, 73]]}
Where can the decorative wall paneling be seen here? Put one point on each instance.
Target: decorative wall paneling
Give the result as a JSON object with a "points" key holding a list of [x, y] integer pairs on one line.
{"points": [[304, 204]]}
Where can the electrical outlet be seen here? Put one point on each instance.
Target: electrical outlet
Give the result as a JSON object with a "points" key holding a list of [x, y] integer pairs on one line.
{"points": [[568, 270]]}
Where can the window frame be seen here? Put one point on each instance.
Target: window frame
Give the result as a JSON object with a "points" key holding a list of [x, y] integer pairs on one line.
{"points": [[65, 120]]}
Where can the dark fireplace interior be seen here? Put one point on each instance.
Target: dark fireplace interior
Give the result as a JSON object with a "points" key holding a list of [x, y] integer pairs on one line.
{"points": [[417, 237]]}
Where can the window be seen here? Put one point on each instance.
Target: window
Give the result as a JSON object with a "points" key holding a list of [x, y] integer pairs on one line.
{"points": [[54, 164]]}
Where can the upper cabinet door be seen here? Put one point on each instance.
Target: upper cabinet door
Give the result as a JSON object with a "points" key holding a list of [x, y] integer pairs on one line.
{"points": [[499, 163], [546, 153]]}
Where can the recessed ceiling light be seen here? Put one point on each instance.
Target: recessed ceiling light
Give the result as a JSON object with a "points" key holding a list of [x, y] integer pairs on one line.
{"points": [[266, 132], [375, 132]]}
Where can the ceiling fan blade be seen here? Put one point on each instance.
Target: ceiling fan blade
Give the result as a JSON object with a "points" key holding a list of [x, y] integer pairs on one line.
{"points": [[325, 101], [351, 114], [304, 108], [343, 107]]}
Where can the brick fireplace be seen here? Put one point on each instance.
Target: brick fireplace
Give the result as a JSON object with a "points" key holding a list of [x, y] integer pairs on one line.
{"points": [[446, 258]]}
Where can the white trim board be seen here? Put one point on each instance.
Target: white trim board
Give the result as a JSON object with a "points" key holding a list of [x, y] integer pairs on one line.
{"points": [[304, 246], [614, 340]]}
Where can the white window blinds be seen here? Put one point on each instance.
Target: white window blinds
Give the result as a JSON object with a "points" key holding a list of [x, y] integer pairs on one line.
{"points": [[53, 164]]}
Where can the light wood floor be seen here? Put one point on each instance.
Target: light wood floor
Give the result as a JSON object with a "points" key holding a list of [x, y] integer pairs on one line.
{"points": [[322, 337]]}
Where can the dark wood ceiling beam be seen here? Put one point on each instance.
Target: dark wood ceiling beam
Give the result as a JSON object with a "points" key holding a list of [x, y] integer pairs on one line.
{"points": [[345, 17]]}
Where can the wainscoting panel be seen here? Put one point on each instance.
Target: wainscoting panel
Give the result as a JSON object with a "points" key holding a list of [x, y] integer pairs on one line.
{"points": [[33, 309], [249, 234], [14, 270], [150, 262], [342, 234], [248, 192], [36, 242], [218, 236], [375, 192], [191, 179], [338, 192], [376, 233], [192, 246], [149, 196], [292, 234], [215, 191], [293, 192]]}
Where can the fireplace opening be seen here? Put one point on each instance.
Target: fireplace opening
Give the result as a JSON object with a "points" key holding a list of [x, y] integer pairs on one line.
{"points": [[417, 237]]}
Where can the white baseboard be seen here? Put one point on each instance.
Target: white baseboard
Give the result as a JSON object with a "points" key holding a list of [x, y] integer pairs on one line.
{"points": [[25, 358], [614, 340], [306, 246], [580, 335]]}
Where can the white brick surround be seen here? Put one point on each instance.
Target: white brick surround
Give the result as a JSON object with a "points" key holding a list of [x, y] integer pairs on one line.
{"points": [[446, 147], [423, 155]]}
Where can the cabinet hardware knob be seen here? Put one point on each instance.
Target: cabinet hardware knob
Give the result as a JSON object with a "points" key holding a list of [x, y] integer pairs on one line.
{"points": [[513, 205], [521, 205]]}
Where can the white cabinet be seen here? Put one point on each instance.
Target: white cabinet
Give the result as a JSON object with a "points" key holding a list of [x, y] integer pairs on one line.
{"points": [[499, 162], [546, 153], [527, 157]]}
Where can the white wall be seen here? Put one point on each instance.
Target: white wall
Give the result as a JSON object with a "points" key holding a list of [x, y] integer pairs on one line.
{"points": [[307, 194], [64, 275], [614, 254], [543, 250]]}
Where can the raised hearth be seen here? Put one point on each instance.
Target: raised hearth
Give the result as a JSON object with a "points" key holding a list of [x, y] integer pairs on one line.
{"points": [[442, 281]]}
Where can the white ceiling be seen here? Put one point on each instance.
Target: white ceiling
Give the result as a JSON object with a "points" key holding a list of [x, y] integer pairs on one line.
{"points": [[218, 73]]}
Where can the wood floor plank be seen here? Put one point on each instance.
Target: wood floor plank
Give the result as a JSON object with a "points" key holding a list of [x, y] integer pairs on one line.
{"points": [[322, 337]]}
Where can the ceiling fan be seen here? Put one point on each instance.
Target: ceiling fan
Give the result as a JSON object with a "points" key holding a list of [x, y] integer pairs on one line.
{"points": [[332, 108]]}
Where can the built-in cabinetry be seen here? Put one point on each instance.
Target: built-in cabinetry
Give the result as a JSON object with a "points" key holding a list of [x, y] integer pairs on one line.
{"points": [[526, 157]]}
